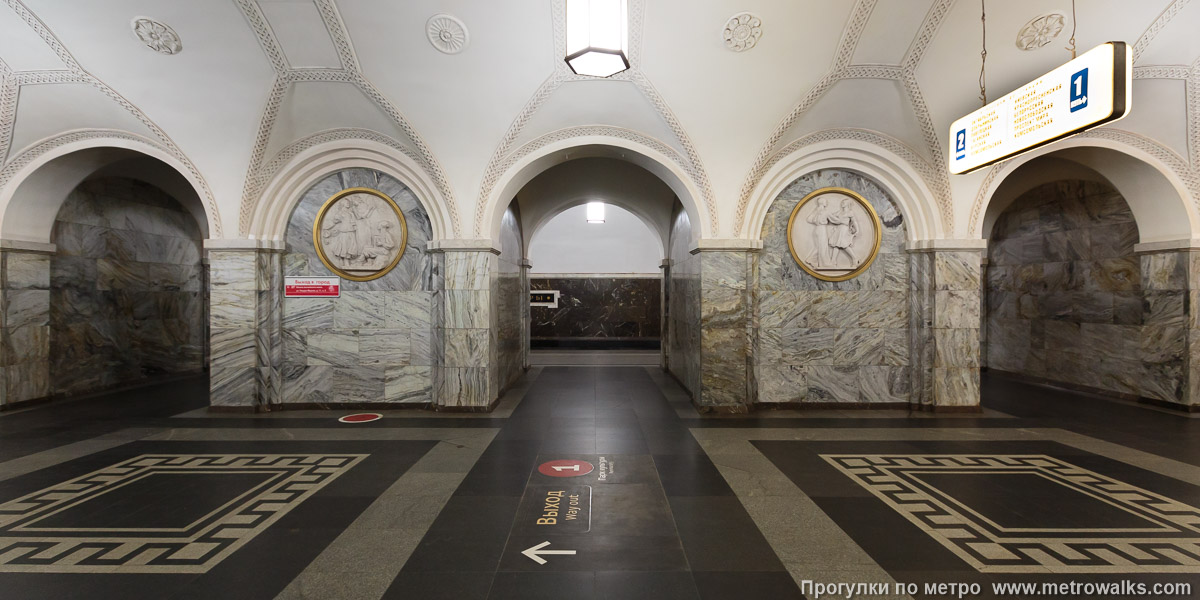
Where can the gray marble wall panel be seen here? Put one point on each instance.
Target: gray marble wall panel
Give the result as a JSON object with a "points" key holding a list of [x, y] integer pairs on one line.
{"points": [[1068, 301], [125, 288], [373, 344], [593, 308], [944, 342], [240, 371], [510, 302], [24, 326], [726, 353], [817, 341], [683, 310]]}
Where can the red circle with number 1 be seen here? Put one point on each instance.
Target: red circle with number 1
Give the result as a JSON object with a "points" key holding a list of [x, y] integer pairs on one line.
{"points": [[565, 468]]}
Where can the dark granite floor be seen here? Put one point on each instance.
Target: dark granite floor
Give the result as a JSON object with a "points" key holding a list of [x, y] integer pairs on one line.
{"points": [[141, 495]]}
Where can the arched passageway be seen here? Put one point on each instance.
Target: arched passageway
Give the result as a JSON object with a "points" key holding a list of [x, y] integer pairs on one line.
{"points": [[105, 284], [1077, 290], [605, 274]]}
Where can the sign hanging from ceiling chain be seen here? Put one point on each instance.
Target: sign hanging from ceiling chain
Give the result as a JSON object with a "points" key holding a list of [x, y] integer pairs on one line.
{"points": [[1087, 92]]}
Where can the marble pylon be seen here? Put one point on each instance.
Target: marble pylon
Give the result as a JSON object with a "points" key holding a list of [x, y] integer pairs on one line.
{"points": [[465, 376], [24, 322], [246, 306], [945, 288], [1170, 341], [726, 279]]}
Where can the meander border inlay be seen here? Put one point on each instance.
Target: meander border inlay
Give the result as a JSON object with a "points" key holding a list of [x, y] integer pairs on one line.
{"points": [[135, 551]]}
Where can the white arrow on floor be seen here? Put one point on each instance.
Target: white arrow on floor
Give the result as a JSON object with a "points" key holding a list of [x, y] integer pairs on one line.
{"points": [[535, 551]]}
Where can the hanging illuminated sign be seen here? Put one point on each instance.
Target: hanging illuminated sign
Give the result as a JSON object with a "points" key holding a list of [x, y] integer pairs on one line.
{"points": [[1089, 91]]}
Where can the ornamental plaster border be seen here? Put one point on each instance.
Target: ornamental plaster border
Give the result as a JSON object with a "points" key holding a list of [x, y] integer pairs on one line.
{"points": [[307, 161], [33, 157], [77, 74], [904, 73], [9, 89], [349, 73], [1159, 23], [661, 154], [885, 160], [1166, 161]]}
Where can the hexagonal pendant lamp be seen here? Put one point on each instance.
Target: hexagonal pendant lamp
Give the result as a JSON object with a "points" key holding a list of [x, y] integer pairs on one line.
{"points": [[597, 37]]}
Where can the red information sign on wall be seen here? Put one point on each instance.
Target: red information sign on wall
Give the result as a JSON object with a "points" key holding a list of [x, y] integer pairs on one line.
{"points": [[312, 287]]}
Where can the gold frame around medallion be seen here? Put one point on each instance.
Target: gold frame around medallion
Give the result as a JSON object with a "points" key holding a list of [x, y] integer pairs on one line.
{"points": [[870, 211], [321, 217]]}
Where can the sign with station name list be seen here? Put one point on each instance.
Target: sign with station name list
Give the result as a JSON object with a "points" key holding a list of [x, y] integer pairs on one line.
{"points": [[1087, 92]]}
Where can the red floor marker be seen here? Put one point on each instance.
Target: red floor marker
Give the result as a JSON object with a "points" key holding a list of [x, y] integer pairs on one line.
{"points": [[361, 418], [565, 468]]}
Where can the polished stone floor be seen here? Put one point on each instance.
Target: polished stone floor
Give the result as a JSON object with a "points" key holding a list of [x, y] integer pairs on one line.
{"points": [[590, 482]]}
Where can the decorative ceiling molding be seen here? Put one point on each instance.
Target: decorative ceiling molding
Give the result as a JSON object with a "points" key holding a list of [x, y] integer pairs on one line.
{"points": [[447, 33], [49, 76], [841, 59], [926, 170], [258, 173], [742, 32], [905, 73], [1157, 26], [156, 35], [981, 195], [254, 183], [77, 74], [933, 142], [696, 166], [1162, 72], [601, 131], [1041, 30], [338, 33], [492, 172], [562, 74], [1193, 116], [29, 154], [929, 28], [892, 72], [8, 109], [262, 32], [1177, 164]]}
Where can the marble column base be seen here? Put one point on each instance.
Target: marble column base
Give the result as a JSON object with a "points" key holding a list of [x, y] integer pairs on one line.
{"points": [[725, 327], [245, 337], [466, 376], [24, 326], [945, 295]]}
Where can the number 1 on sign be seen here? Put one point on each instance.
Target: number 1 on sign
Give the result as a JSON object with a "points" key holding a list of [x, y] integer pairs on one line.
{"points": [[570, 468]]}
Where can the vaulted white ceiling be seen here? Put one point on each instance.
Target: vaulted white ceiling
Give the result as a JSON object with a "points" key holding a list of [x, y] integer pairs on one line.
{"points": [[257, 78]]}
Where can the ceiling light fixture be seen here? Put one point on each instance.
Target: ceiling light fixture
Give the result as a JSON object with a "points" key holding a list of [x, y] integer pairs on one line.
{"points": [[595, 212], [597, 37]]}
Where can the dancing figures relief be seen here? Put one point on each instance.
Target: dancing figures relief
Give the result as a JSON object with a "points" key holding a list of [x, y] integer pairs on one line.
{"points": [[834, 234], [360, 234]]}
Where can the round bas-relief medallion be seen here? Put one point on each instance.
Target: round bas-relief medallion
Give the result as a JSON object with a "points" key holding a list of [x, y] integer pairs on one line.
{"points": [[360, 234], [834, 234]]}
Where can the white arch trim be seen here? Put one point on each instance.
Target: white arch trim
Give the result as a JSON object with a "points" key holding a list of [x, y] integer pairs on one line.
{"points": [[558, 147], [269, 215], [42, 171], [1158, 185], [897, 177]]}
